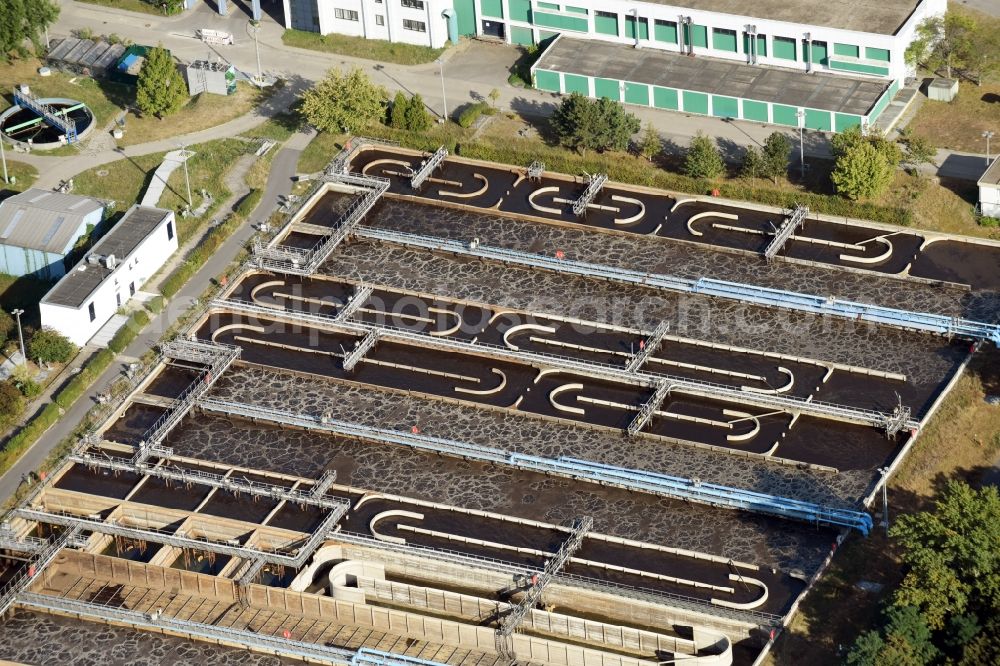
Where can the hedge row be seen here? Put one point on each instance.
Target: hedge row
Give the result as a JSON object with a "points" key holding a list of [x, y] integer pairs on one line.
{"points": [[197, 257], [249, 203], [628, 169], [126, 334]]}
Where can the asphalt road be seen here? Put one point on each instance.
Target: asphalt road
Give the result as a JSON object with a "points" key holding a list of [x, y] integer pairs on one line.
{"points": [[279, 184]]}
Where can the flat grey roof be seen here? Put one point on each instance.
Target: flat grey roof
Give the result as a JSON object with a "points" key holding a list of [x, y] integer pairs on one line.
{"points": [[829, 92], [882, 17], [992, 175], [44, 220], [78, 284]]}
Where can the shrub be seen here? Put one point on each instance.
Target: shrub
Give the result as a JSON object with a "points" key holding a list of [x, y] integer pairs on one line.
{"points": [[471, 113], [417, 118], [397, 112], [49, 346], [29, 388], [11, 403], [155, 304], [127, 333], [703, 159], [249, 203]]}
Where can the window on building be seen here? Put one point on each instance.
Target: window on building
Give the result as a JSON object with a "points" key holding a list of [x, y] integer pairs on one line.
{"points": [[784, 48], [118, 299], [576, 10], [415, 26], [605, 23], [379, 19], [849, 50], [170, 234], [877, 54], [547, 5], [378, 2], [92, 312], [665, 31], [346, 14], [412, 4], [630, 29], [724, 40], [131, 288]]}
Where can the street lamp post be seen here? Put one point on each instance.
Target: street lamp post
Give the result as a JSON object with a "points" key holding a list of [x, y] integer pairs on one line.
{"points": [[987, 134], [884, 471], [444, 98], [253, 27], [3, 158], [20, 335], [187, 177], [801, 115]]}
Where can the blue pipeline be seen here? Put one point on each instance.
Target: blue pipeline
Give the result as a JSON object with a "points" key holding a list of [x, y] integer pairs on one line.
{"points": [[705, 493]]}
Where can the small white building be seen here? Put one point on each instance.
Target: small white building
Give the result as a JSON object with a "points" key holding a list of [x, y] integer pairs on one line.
{"points": [[421, 22], [116, 267], [38, 228], [989, 190]]}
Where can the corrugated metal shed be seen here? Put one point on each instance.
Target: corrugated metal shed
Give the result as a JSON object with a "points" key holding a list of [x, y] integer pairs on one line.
{"points": [[43, 220]]}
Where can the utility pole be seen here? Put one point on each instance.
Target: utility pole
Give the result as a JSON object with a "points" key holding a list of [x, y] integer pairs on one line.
{"points": [[20, 335], [987, 134], [801, 115], [444, 98]]}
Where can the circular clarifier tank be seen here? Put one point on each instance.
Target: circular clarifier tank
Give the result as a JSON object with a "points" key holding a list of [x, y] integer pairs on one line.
{"points": [[21, 125]]}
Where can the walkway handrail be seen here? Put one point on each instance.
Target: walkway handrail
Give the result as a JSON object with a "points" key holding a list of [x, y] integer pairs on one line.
{"points": [[765, 296], [595, 369]]}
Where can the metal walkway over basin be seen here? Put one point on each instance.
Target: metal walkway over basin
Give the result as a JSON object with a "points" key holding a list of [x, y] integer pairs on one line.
{"points": [[28, 101], [762, 296], [593, 369], [788, 227], [427, 167], [595, 184], [649, 482], [277, 645]]}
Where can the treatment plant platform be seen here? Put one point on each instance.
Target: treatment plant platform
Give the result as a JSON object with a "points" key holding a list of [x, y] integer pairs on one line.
{"points": [[453, 412]]}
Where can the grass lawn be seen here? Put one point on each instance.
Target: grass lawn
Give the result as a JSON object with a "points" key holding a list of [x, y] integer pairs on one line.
{"points": [[201, 112], [104, 98], [278, 128], [125, 180], [959, 124], [359, 47], [25, 175], [131, 5], [962, 441]]}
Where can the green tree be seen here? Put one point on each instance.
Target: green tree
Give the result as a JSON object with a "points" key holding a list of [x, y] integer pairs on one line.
{"points": [[397, 112], [650, 144], [753, 166], [944, 43], [862, 172], [160, 90], [49, 346], [703, 159], [917, 150], [11, 404], [344, 102], [581, 124], [24, 21], [494, 96], [777, 148], [417, 118], [7, 326], [952, 554]]}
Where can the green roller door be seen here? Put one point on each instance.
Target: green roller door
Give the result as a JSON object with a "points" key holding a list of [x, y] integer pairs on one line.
{"points": [[575, 83], [520, 10], [725, 107], [761, 44], [637, 93], [665, 98], [466, 11], [844, 121], [819, 54], [545, 80], [630, 27], [755, 110], [606, 23], [522, 36], [849, 50], [877, 54], [665, 31], [492, 8], [696, 35], [576, 10], [695, 102], [784, 115], [607, 88], [724, 40], [818, 120], [784, 48]]}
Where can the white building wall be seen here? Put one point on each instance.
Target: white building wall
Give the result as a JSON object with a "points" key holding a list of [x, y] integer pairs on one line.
{"points": [[137, 268], [989, 200], [394, 18]]}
